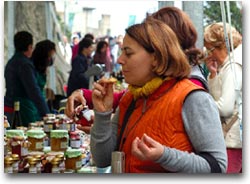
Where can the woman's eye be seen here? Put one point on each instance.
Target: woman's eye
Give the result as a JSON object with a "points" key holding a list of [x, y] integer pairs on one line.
{"points": [[128, 53]]}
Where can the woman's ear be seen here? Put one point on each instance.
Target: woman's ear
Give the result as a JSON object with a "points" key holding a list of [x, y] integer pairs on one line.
{"points": [[154, 61]]}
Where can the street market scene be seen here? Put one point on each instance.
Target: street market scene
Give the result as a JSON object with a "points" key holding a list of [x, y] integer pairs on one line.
{"points": [[111, 87]]}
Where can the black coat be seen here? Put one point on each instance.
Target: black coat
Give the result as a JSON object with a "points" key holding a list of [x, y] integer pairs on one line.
{"points": [[77, 78]]}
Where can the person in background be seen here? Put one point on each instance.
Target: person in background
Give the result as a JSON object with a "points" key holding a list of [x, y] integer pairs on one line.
{"points": [[101, 56], [66, 49], [225, 80], [77, 77], [165, 123], [21, 82], [115, 52], [75, 40], [43, 56], [75, 48], [186, 33]]}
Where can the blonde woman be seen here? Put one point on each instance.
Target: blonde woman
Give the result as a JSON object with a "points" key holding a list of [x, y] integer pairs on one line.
{"points": [[224, 78]]}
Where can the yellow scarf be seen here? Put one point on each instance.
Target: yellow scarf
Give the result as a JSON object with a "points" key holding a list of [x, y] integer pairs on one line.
{"points": [[147, 89]]}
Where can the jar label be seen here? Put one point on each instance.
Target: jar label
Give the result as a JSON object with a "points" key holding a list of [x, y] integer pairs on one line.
{"points": [[72, 127], [78, 164], [48, 127], [55, 170], [32, 170], [24, 151], [64, 145], [39, 145], [75, 143], [15, 165], [63, 126], [8, 169], [46, 142]]}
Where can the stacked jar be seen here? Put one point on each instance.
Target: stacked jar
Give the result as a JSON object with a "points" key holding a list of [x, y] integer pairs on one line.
{"points": [[49, 124], [36, 139], [8, 161], [18, 142], [75, 140], [73, 159], [15, 164], [59, 140]]}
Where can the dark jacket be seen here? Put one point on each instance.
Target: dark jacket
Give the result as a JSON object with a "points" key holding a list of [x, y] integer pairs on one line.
{"points": [[77, 78], [21, 84]]}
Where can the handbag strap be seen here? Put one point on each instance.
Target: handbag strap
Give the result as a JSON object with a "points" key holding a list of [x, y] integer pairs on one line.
{"points": [[125, 121], [227, 126], [215, 168]]}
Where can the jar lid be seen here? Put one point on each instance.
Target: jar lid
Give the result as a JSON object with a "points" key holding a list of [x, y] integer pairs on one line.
{"points": [[36, 133], [72, 153], [60, 156], [15, 157], [8, 160], [55, 161], [36, 154], [14, 133], [22, 128], [31, 159], [59, 134]]}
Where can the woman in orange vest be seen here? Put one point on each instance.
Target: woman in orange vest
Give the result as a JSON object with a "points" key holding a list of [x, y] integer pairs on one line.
{"points": [[164, 123]]}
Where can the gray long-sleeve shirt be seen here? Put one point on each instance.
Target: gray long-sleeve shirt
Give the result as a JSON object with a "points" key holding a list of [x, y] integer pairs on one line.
{"points": [[203, 127]]}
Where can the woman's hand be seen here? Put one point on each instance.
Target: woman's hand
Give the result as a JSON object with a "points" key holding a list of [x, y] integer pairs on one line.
{"points": [[102, 95], [212, 66], [74, 100], [86, 129], [147, 148]]}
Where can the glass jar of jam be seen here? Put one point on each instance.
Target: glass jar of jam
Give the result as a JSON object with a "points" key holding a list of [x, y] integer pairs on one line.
{"points": [[32, 165], [73, 159], [18, 142], [59, 140], [55, 165], [75, 140], [15, 164], [36, 139], [61, 162], [8, 161]]}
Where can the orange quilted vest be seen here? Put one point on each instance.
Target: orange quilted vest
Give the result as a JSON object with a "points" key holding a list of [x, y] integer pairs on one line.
{"points": [[161, 120]]}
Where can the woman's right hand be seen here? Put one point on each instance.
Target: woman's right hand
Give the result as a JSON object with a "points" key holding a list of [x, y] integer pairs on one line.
{"points": [[102, 95], [74, 100], [212, 66]]}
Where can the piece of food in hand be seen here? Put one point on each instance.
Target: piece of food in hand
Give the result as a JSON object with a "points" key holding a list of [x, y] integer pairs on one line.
{"points": [[109, 80]]}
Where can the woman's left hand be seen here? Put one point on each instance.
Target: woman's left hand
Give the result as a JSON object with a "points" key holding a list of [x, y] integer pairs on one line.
{"points": [[147, 148]]}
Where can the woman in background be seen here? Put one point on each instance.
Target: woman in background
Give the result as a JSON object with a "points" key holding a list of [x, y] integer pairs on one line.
{"points": [[225, 85], [43, 56], [101, 55]]}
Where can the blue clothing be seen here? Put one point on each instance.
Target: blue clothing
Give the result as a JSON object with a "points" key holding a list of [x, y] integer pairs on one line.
{"points": [[21, 84], [77, 77]]}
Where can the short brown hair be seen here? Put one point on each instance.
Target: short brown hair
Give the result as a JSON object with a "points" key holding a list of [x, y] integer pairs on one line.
{"points": [[157, 38], [184, 29]]}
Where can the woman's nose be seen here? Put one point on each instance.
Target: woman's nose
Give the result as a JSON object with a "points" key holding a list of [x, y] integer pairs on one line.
{"points": [[120, 60]]}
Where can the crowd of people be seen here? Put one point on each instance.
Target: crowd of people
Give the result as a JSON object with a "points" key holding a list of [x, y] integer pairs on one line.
{"points": [[171, 117]]}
